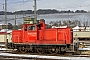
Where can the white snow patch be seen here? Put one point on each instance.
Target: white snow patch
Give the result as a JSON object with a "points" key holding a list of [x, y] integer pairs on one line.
{"points": [[45, 57]]}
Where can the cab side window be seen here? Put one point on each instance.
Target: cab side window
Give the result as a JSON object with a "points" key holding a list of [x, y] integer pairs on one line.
{"points": [[32, 27], [25, 28]]}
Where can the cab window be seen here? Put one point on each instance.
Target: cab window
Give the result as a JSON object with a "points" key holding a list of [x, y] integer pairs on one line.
{"points": [[32, 27], [25, 28]]}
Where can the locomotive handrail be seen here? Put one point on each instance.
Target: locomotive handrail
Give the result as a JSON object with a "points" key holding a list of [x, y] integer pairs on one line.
{"points": [[81, 30]]}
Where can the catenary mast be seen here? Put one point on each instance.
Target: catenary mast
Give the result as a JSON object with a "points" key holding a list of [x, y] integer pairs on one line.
{"points": [[6, 40], [35, 12]]}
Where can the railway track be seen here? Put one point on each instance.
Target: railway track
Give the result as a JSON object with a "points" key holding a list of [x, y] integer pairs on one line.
{"points": [[28, 56], [4, 50], [7, 54]]}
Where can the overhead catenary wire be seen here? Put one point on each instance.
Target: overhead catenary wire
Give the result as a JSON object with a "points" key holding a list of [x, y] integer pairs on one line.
{"points": [[24, 1], [15, 3], [18, 2], [10, 19], [74, 7]]}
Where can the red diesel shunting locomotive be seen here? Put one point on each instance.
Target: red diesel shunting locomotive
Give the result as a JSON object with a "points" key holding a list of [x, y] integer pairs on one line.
{"points": [[37, 38]]}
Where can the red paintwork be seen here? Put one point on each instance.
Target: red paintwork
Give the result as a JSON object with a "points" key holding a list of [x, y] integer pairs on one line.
{"points": [[4, 33], [41, 35]]}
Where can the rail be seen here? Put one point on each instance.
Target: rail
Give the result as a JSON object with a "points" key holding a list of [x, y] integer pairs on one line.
{"points": [[27, 56]]}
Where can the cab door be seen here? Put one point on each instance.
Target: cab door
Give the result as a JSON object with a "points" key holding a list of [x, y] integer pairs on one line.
{"points": [[32, 33]]}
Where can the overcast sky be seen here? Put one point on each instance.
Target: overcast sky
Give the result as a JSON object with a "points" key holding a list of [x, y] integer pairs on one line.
{"points": [[16, 5]]}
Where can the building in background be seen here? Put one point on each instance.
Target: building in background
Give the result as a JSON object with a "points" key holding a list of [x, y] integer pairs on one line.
{"points": [[8, 26]]}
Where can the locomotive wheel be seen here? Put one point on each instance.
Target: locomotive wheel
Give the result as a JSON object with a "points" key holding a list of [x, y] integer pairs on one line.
{"points": [[53, 50], [22, 49], [40, 50]]}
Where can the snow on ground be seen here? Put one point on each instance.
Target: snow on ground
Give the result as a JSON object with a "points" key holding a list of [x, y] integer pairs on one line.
{"points": [[3, 49], [45, 57], [84, 48], [4, 30], [2, 44]]}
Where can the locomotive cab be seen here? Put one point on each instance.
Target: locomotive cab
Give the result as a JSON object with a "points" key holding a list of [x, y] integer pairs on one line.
{"points": [[31, 31]]}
